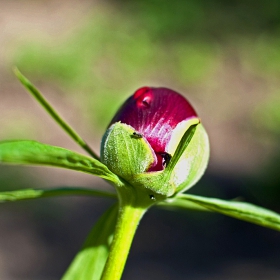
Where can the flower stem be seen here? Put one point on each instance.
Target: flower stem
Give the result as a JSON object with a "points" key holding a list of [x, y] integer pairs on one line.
{"points": [[128, 219]]}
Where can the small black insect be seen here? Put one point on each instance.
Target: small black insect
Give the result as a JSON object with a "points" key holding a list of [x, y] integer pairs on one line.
{"points": [[166, 159], [137, 135], [152, 197]]}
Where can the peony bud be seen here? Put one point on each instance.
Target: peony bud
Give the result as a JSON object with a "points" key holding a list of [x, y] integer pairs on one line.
{"points": [[143, 136]]}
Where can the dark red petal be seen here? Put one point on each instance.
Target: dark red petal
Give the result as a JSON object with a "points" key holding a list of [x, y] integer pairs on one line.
{"points": [[154, 113]]}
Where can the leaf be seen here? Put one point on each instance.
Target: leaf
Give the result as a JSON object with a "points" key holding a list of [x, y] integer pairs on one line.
{"points": [[239, 210], [179, 203], [32, 193], [32, 152], [90, 261], [66, 127]]}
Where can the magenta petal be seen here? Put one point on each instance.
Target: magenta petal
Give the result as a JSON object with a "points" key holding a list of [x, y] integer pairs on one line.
{"points": [[154, 113]]}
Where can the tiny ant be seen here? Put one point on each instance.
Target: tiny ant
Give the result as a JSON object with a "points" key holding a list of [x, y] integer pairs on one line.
{"points": [[137, 135]]}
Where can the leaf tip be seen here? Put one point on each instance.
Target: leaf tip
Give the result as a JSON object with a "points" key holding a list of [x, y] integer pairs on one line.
{"points": [[19, 75]]}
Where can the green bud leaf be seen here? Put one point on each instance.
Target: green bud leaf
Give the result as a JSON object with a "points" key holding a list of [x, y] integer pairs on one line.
{"points": [[189, 150], [124, 152], [191, 155]]}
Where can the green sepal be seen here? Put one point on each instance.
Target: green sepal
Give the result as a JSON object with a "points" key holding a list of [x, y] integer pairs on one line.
{"points": [[124, 152], [193, 160], [130, 156], [189, 148]]}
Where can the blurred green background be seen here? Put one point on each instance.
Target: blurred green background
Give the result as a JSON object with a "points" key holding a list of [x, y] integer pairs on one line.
{"points": [[87, 57]]}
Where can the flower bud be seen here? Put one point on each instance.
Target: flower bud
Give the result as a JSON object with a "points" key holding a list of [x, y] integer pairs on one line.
{"points": [[144, 135]]}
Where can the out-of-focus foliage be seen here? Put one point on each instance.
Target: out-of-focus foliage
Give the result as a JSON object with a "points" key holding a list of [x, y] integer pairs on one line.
{"points": [[267, 114], [134, 43], [111, 53]]}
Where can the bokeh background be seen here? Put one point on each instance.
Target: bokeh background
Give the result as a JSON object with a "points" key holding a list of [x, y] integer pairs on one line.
{"points": [[87, 57]]}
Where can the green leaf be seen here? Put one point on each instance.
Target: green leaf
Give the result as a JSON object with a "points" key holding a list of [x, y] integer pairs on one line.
{"points": [[90, 261], [46, 105], [25, 194], [239, 210], [35, 153], [179, 203]]}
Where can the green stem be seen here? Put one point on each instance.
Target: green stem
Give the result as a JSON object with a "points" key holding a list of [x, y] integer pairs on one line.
{"points": [[46, 105], [128, 219]]}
